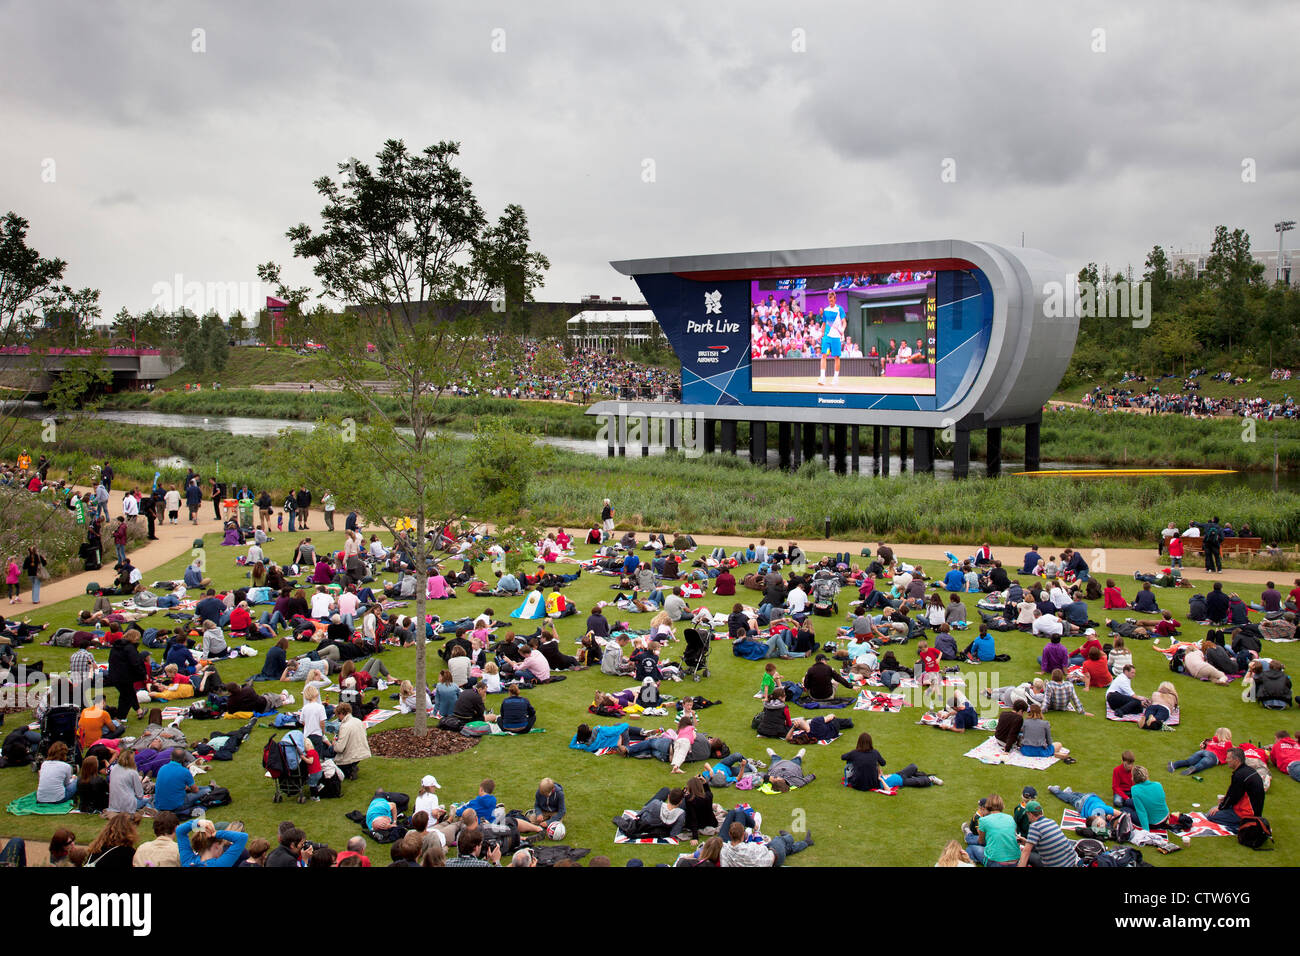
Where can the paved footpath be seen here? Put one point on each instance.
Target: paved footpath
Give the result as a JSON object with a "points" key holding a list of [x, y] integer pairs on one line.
{"points": [[1119, 563]]}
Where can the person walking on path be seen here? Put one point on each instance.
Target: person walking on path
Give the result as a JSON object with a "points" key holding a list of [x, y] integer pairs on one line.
{"points": [[34, 567]]}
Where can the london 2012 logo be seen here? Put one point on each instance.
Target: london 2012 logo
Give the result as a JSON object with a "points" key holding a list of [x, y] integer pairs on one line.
{"points": [[713, 303]]}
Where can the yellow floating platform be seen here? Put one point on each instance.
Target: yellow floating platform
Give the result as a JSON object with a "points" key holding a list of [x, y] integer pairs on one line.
{"points": [[1128, 472]]}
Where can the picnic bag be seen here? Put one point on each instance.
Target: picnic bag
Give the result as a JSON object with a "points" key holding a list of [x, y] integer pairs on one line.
{"points": [[1254, 832]]}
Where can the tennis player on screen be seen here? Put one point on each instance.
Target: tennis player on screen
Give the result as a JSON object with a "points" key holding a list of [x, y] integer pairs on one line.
{"points": [[833, 326]]}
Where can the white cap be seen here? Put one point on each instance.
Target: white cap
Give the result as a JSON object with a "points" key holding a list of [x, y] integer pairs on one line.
{"points": [[1090, 633], [429, 780]]}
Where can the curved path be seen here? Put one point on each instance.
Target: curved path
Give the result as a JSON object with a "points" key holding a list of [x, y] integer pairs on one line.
{"points": [[1119, 563]]}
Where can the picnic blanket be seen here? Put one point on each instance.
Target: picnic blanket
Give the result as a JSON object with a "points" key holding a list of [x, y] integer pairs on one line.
{"points": [[621, 837], [1133, 718], [175, 713], [27, 805], [880, 703], [379, 716], [987, 724], [990, 751], [835, 704], [949, 680], [1201, 824]]}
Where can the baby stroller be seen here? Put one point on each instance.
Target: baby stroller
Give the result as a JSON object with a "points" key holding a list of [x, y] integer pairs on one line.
{"points": [[284, 761], [825, 587], [59, 725], [695, 658]]}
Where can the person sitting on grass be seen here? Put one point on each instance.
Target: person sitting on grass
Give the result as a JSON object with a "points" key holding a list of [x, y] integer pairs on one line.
{"points": [[201, 844], [820, 679], [1121, 781], [1245, 796], [1036, 737], [1096, 671], [991, 834], [1161, 707], [1010, 723], [1061, 694], [1149, 801], [1045, 844]]}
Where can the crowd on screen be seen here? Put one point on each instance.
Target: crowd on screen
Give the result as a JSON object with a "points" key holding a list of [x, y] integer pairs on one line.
{"points": [[780, 328]]}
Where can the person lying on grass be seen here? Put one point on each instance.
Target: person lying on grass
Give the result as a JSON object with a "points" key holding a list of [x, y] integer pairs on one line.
{"points": [[959, 716], [862, 770]]}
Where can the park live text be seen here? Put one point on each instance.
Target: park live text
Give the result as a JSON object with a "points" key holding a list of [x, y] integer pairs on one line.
{"points": [[709, 325]]}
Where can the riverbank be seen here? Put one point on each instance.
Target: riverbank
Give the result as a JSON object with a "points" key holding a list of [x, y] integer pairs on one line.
{"points": [[1072, 435], [725, 495]]}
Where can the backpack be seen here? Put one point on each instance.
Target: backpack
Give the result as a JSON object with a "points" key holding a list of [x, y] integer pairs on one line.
{"points": [[1213, 535], [1120, 856], [330, 787], [216, 797], [1254, 832], [1088, 850], [93, 587], [1176, 660]]}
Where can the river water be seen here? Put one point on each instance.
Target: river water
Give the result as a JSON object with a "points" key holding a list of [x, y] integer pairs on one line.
{"points": [[266, 427]]}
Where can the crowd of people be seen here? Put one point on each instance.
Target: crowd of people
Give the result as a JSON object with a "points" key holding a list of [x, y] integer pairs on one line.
{"points": [[544, 371], [1185, 398], [328, 622]]}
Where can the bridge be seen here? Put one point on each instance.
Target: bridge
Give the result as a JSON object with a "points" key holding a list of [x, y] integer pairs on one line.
{"points": [[19, 368]]}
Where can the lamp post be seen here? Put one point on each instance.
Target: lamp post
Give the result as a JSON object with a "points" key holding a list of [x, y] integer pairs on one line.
{"points": [[1281, 228]]}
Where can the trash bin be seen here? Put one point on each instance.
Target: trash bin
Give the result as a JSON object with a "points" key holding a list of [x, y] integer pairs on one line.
{"points": [[246, 514], [228, 508]]}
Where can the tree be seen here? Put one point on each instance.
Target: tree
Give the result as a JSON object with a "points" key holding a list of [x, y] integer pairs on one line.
{"points": [[186, 331], [215, 342], [410, 252], [1230, 268], [237, 323], [1157, 273], [25, 277]]}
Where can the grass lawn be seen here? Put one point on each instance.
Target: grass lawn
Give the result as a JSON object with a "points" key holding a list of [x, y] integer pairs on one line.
{"points": [[851, 828], [255, 365]]}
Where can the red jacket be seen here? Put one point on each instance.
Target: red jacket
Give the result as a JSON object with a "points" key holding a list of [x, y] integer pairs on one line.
{"points": [[240, 619], [1113, 599], [1121, 781], [1284, 752]]}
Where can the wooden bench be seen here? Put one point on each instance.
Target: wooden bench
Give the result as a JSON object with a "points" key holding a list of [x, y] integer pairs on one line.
{"points": [[1196, 545]]}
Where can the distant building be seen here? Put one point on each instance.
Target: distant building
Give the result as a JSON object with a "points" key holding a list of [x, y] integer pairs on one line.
{"points": [[1268, 258], [616, 330]]}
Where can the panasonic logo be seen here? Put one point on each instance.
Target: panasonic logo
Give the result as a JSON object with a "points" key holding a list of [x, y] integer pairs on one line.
{"points": [[829, 401]]}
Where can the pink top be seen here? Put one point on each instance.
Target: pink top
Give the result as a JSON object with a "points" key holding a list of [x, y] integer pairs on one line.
{"points": [[12, 573]]}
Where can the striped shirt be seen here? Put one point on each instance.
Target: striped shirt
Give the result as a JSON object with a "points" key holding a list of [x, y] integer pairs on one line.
{"points": [[1054, 847]]}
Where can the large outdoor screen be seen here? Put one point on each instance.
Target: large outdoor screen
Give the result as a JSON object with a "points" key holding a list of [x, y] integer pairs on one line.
{"points": [[844, 333]]}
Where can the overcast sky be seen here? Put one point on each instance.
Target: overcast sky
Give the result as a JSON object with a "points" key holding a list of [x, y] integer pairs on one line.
{"points": [[770, 125]]}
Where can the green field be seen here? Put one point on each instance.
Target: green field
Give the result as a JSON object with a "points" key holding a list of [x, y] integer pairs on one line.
{"points": [[256, 365], [851, 828]]}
